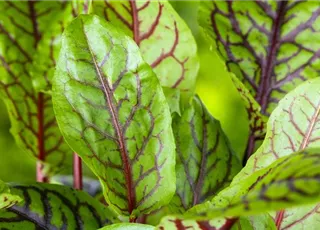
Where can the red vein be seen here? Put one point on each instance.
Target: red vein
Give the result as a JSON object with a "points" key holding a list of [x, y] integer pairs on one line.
{"points": [[116, 124]]}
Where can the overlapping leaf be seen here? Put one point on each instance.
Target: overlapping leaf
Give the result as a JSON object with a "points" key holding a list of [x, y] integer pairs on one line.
{"points": [[6, 198], [205, 161], [48, 206], [181, 223], [257, 222], [290, 181], [165, 41], [271, 46], [23, 27], [109, 115]]}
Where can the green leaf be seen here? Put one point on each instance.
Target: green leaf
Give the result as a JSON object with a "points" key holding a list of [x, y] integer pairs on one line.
{"points": [[205, 161], [178, 223], [127, 226], [165, 41], [173, 99], [290, 181], [257, 222], [48, 206], [271, 46], [23, 25], [113, 113], [6, 198]]}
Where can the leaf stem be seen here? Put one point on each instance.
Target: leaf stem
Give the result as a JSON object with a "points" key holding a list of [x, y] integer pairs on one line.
{"points": [[77, 172], [41, 150], [279, 218]]}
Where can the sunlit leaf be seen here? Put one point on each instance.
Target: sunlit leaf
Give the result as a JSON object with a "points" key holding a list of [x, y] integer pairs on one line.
{"points": [[271, 46], [205, 161], [257, 222], [47, 206], [113, 113], [7, 199], [165, 41], [23, 27], [127, 226], [290, 181]]}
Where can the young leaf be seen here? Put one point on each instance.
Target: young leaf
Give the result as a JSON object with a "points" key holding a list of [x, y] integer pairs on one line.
{"points": [[289, 181], [205, 161], [22, 27], [48, 206], [181, 223], [113, 113], [165, 41], [271, 46], [127, 226], [6, 198]]}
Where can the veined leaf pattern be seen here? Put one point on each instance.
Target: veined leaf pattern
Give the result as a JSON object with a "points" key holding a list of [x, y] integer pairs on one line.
{"points": [[48, 206], [271, 46], [127, 226], [181, 223], [205, 161], [7, 199], [289, 181], [112, 119], [165, 41], [22, 27]]}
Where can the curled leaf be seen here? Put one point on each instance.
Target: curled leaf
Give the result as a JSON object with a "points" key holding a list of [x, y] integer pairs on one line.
{"points": [[205, 161], [112, 119]]}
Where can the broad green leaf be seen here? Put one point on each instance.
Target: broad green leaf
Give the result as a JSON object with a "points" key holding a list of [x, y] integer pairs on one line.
{"points": [[23, 25], [6, 198], [205, 161], [165, 41], [178, 223], [257, 222], [271, 46], [173, 99], [290, 181], [112, 111], [48, 206], [127, 226]]}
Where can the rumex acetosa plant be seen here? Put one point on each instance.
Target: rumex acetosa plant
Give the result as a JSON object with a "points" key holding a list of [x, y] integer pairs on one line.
{"points": [[114, 81]]}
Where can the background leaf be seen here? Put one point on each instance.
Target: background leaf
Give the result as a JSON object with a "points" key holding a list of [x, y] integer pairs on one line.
{"points": [[112, 119], [165, 41], [257, 222], [48, 206], [271, 46], [205, 161], [127, 226]]}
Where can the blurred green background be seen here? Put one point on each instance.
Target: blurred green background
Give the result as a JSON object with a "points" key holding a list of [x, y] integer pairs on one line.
{"points": [[213, 85]]}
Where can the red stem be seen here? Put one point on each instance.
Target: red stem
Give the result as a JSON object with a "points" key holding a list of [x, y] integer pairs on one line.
{"points": [[42, 154], [77, 172], [279, 218]]}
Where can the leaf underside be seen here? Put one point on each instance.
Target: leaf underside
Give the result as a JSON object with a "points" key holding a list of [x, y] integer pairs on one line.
{"points": [[48, 206], [205, 161], [165, 41], [112, 119]]}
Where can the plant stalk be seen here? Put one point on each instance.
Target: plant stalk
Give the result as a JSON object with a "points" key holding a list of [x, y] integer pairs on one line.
{"points": [[77, 172]]}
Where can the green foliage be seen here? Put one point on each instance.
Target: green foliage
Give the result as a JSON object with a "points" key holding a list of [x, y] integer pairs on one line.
{"points": [[111, 118], [48, 206], [123, 89]]}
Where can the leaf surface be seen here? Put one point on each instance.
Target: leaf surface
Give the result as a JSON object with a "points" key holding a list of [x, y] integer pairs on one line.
{"points": [[165, 41], [112, 111], [23, 25], [257, 222], [6, 198], [289, 181], [271, 46], [205, 161], [48, 206]]}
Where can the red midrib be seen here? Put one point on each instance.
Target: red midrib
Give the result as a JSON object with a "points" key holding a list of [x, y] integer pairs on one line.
{"points": [[116, 124], [264, 88], [135, 22]]}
